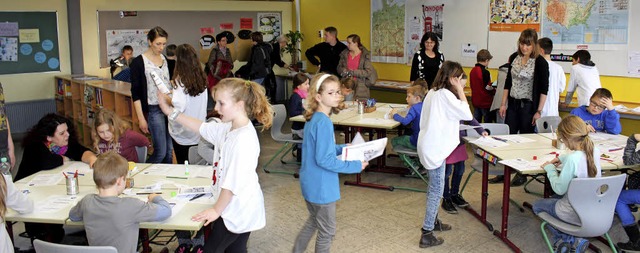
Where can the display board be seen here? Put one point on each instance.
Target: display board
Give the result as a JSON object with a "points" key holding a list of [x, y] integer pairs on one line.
{"points": [[29, 42]]}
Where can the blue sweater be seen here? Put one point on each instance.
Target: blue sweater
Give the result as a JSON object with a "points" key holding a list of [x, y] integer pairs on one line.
{"points": [[320, 166], [413, 116], [608, 121]]}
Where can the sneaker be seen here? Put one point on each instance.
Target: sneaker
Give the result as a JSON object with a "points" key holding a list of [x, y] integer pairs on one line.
{"points": [[198, 249], [518, 180], [459, 201], [496, 180], [441, 226], [428, 239], [581, 245], [448, 206], [183, 248]]}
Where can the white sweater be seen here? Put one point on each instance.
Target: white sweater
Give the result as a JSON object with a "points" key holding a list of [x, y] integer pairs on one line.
{"points": [[586, 79], [440, 127], [17, 201], [557, 82]]}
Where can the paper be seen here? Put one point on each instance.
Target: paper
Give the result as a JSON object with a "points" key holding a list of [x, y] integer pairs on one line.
{"points": [[9, 49], [73, 166], [524, 165], [621, 108], [54, 203], [29, 35], [9, 29], [176, 207], [468, 127], [515, 138], [469, 50], [357, 139], [599, 136], [376, 121], [45, 180], [633, 65], [179, 171], [489, 142], [195, 190], [364, 151]]}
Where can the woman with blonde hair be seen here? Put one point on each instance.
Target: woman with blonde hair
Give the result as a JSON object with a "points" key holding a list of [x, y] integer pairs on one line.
{"points": [[109, 132]]}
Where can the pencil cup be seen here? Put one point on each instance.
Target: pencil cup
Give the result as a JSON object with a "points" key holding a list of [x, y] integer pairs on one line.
{"points": [[72, 185], [129, 182]]}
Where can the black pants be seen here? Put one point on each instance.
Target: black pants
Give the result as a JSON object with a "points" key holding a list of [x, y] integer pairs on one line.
{"points": [[519, 115], [46, 232], [221, 240], [182, 151]]}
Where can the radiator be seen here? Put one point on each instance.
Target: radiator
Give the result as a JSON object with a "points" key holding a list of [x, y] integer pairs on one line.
{"points": [[25, 114]]}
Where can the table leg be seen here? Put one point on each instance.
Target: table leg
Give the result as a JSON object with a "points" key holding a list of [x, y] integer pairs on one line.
{"points": [[144, 233], [381, 160], [502, 234], [10, 231], [484, 196]]}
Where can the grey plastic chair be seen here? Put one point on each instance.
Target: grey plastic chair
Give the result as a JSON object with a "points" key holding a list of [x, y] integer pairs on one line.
{"points": [[47, 247], [496, 170], [286, 138], [142, 154], [546, 123], [408, 157], [594, 200]]}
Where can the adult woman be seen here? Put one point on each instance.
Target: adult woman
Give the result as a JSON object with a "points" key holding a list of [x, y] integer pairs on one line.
{"points": [[144, 88], [260, 60], [428, 60], [356, 62], [220, 64], [48, 145]]}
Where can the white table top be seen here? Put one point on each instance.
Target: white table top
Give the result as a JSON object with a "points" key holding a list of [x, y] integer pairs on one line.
{"points": [[146, 178], [85, 174], [350, 117]]}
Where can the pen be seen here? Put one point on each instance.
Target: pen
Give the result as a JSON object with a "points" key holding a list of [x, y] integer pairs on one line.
{"points": [[72, 173], [197, 196], [177, 177], [496, 138], [147, 193], [615, 149]]}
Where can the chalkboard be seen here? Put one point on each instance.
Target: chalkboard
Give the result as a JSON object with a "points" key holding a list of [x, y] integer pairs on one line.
{"points": [[29, 42]]}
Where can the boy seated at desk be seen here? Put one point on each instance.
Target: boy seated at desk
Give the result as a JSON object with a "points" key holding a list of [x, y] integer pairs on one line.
{"points": [[600, 115], [415, 94], [347, 88], [111, 220]]}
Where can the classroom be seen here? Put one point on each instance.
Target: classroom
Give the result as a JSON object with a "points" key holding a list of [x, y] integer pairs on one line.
{"points": [[385, 214]]}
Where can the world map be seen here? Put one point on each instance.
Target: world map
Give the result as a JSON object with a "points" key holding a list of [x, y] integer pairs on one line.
{"points": [[586, 21]]}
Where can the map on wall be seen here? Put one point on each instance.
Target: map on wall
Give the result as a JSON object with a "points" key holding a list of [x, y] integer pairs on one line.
{"points": [[514, 15], [387, 31], [586, 24]]}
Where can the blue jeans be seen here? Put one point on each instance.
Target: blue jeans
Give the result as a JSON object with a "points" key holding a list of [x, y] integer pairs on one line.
{"points": [[434, 195], [622, 206], [479, 114], [162, 145], [458, 171], [546, 205]]}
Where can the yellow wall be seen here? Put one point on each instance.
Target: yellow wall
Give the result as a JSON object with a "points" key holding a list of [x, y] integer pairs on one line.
{"points": [[354, 16], [33, 86]]}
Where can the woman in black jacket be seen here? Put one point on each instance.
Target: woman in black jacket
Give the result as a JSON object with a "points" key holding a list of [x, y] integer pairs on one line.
{"points": [[428, 60], [259, 64]]}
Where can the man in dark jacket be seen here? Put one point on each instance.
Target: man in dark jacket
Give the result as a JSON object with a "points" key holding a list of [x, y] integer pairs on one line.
{"points": [[328, 52]]}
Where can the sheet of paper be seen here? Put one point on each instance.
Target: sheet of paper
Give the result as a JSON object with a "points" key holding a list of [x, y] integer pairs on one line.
{"points": [[365, 151], [195, 190], [179, 171], [45, 180], [489, 142], [357, 139], [468, 127], [524, 165], [515, 138], [73, 166], [54, 203], [600, 136]]}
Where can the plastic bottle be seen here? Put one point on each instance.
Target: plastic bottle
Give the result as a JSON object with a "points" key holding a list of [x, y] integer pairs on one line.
{"points": [[159, 83], [5, 166], [186, 168]]}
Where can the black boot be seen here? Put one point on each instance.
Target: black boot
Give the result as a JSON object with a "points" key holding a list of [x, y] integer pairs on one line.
{"points": [[439, 226], [634, 238], [496, 180], [428, 239]]}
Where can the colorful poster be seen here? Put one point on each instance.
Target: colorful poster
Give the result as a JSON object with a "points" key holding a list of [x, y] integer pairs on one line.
{"points": [[246, 23], [116, 39], [29, 35], [226, 26], [8, 49], [270, 26], [207, 30], [388, 31], [9, 29], [514, 15]]}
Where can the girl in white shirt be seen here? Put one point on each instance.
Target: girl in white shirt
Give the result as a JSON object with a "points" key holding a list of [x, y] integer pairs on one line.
{"points": [[442, 110], [584, 76], [10, 197], [189, 98], [240, 203]]}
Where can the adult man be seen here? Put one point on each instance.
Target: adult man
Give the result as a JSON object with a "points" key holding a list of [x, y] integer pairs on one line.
{"points": [[328, 52]]}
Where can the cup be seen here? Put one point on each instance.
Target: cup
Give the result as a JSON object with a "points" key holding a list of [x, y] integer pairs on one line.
{"points": [[72, 185], [129, 182]]}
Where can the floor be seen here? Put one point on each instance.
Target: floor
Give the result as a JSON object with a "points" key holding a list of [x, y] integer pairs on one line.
{"points": [[371, 220]]}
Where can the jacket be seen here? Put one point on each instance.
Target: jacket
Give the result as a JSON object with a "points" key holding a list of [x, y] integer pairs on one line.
{"points": [[366, 76], [260, 61]]}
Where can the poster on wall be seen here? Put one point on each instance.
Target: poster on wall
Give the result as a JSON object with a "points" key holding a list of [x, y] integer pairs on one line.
{"points": [[388, 31], [514, 15], [8, 49], [421, 18], [116, 39], [270, 25]]}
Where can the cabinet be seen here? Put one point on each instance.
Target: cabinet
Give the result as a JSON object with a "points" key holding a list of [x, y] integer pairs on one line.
{"points": [[79, 98]]}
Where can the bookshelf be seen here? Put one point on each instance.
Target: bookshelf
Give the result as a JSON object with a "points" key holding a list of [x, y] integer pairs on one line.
{"points": [[80, 97]]}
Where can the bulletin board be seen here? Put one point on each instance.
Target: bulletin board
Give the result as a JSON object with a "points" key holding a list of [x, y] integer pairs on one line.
{"points": [[29, 42], [183, 27]]}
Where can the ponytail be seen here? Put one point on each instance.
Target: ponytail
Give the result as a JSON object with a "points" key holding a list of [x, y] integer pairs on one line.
{"points": [[587, 147], [574, 133]]}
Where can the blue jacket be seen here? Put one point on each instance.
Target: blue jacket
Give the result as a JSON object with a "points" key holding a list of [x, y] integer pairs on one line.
{"points": [[413, 116], [320, 166], [608, 121]]}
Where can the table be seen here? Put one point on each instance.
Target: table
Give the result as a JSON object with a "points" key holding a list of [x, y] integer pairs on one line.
{"points": [[540, 147], [178, 221]]}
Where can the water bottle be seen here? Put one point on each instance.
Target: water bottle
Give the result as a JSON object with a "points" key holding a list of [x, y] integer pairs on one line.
{"points": [[159, 83], [5, 166]]}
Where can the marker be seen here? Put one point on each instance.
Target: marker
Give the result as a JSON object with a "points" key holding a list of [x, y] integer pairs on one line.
{"points": [[186, 168], [197, 196], [147, 193], [72, 173], [177, 177]]}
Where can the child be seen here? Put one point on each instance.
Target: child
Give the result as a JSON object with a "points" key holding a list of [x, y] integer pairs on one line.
{"points": [[109, 133], [11, 197], [319, 171], [599, 114], [415, 94], [455, 166], [240, 203], [189, 97], [442, 110], [348, 84], [481, 90], [171, 59], [296, 107], [557, 80], [581, 162], [631, 156], [629, 197], [584, 76], [421, 82], [109, 219]]}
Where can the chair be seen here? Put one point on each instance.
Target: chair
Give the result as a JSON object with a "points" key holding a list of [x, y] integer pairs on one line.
{"points": [[408, 157], [594, 200], [497, 169], [47, 247], [194, 157], [548, 123], [142, 154], [278, 136]]}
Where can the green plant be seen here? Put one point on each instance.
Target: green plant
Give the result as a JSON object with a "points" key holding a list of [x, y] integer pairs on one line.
{"points": [[293, 41]]}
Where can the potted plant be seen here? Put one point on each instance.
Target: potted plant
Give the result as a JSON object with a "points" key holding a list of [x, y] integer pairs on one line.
{"points": [[293, 41]]}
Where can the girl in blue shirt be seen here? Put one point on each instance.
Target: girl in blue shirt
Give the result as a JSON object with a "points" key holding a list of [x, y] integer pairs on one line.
{"points": [[320, 166]]}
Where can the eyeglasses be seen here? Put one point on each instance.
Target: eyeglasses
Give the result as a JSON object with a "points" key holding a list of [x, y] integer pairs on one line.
{"points": [[596, 106]]}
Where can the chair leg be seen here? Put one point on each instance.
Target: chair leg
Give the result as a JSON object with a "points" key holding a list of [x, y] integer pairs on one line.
{"points": [[407, 160], [613, 247], [283, 148], [286, 153], [467, 181], [544, 235], [529, 191]]}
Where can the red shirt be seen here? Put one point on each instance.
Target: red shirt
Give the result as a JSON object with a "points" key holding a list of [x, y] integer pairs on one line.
{"points": [[352, 63], [480, 78]]}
